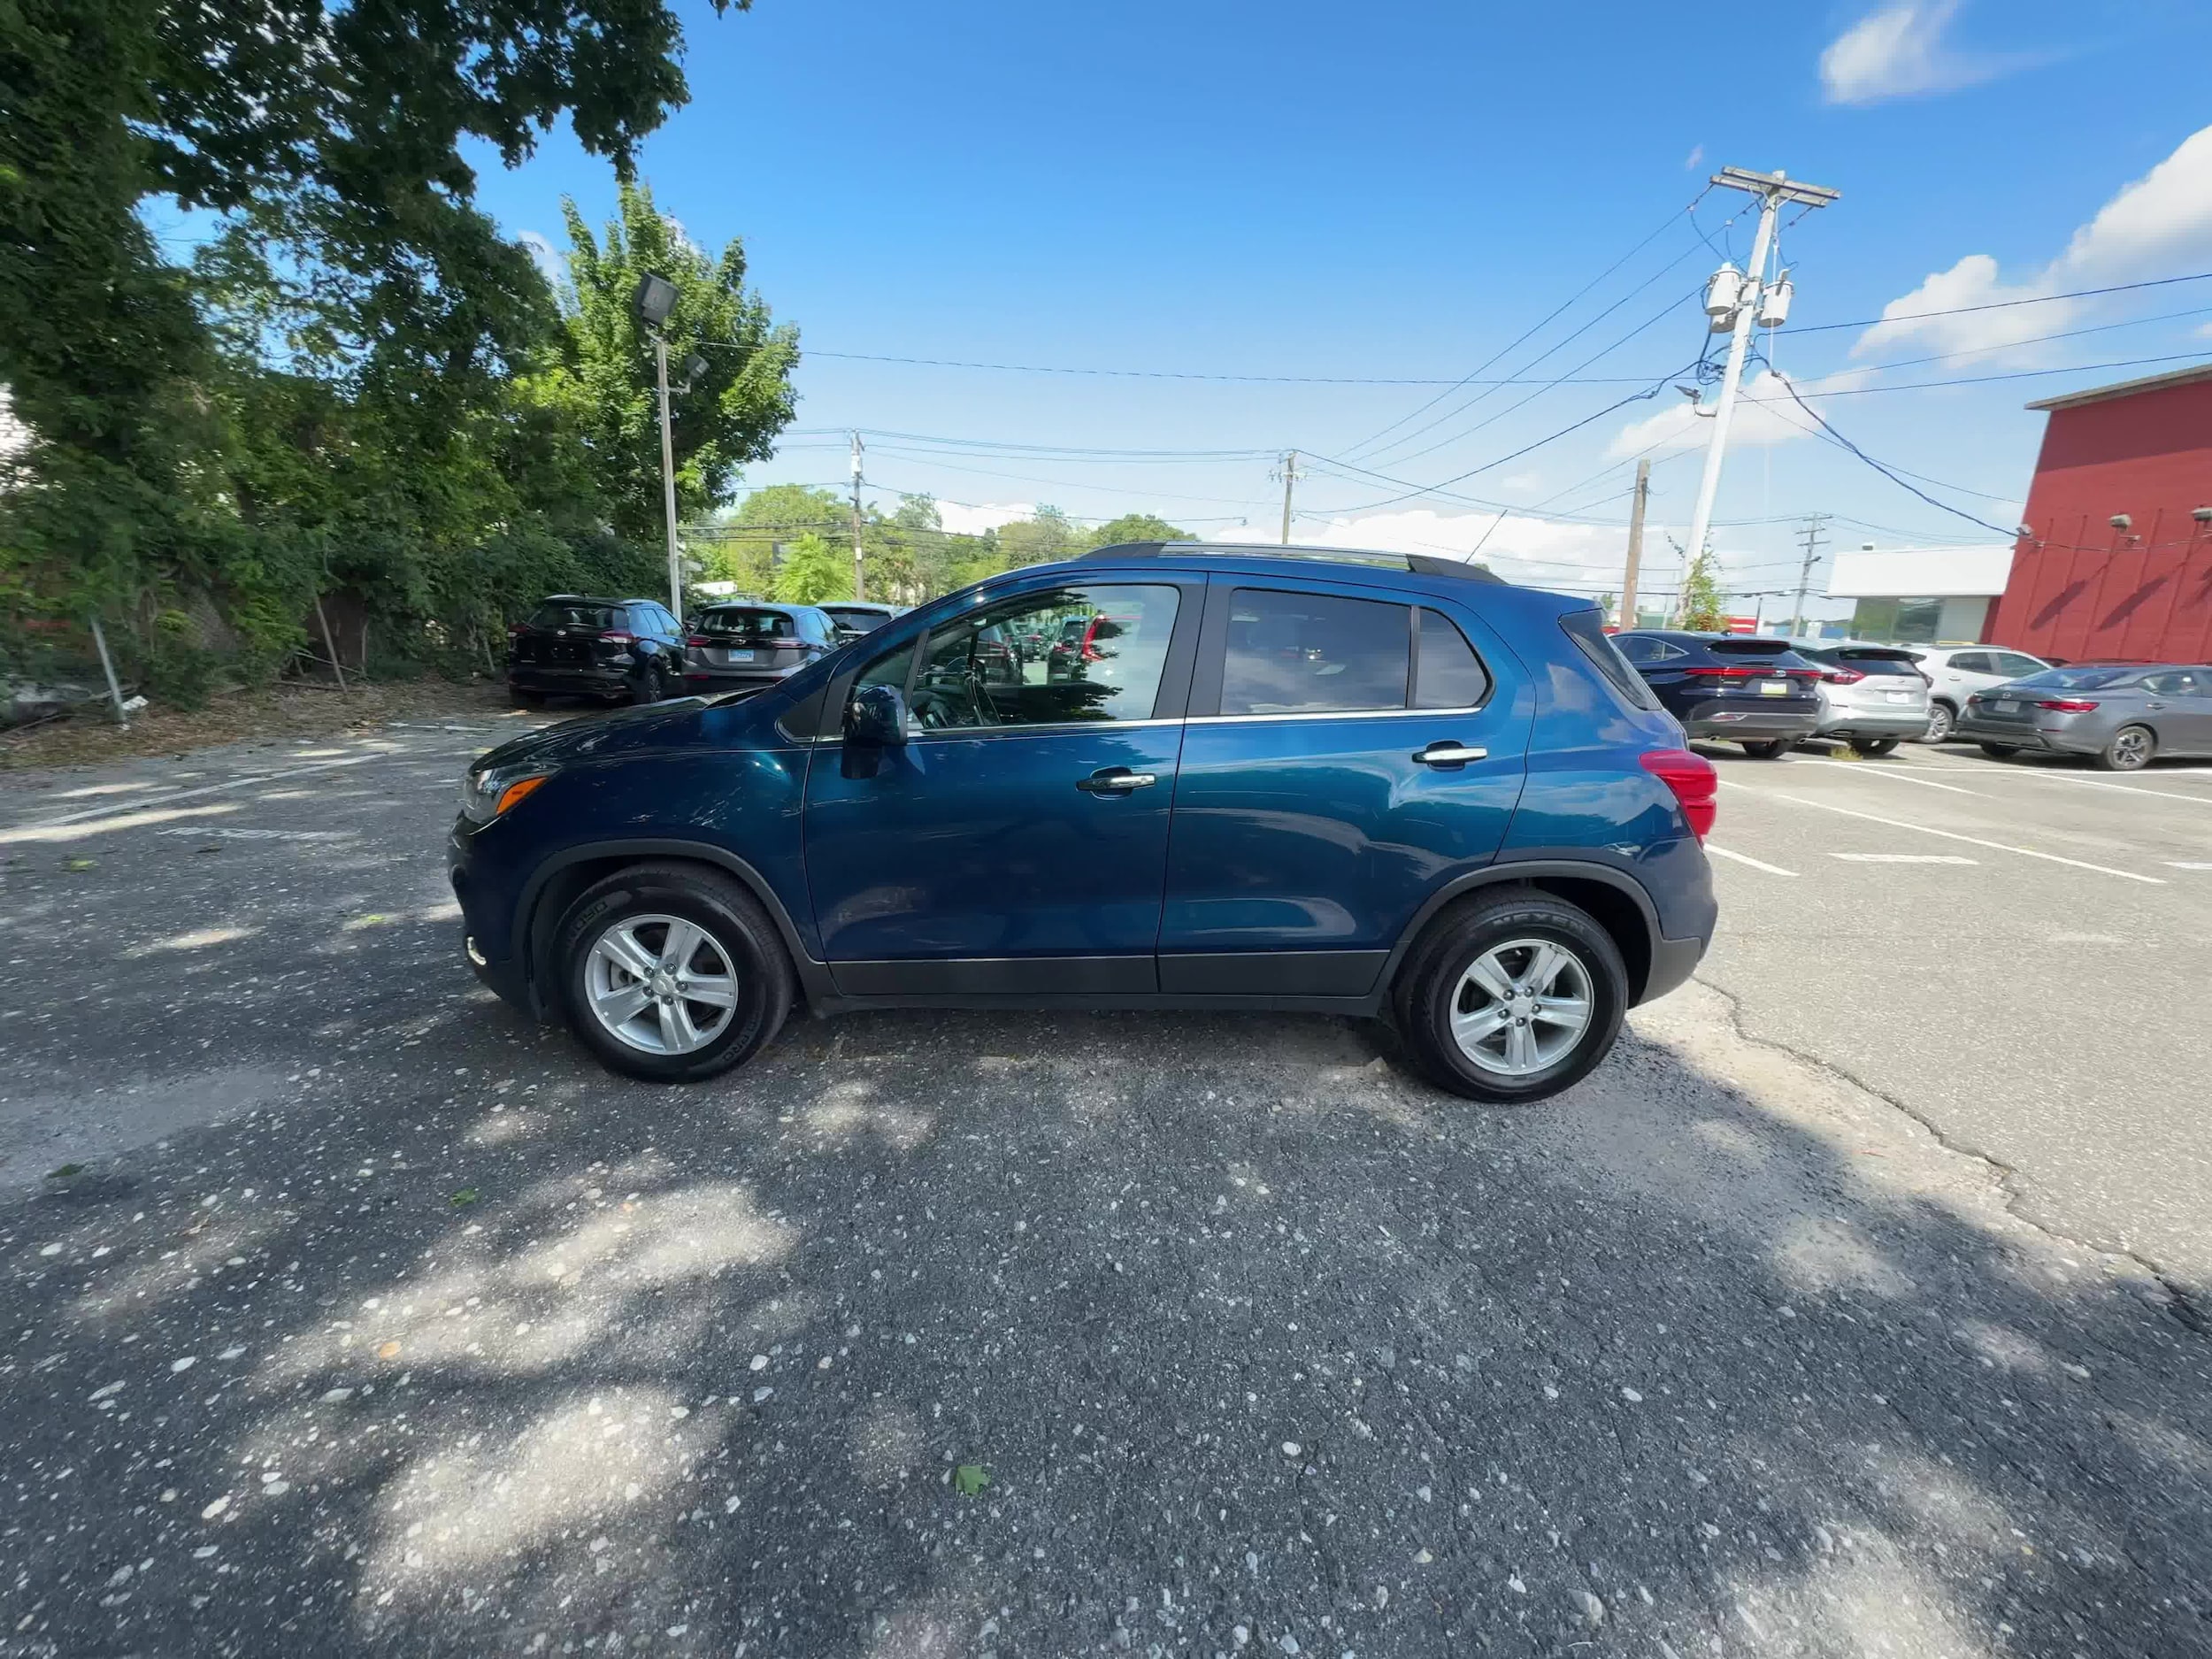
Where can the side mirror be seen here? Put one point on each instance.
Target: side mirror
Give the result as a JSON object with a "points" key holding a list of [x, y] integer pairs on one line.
{"points": [[876, 716]]}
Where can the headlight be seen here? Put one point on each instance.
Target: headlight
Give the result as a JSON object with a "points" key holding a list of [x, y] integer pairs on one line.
{"points": [[486, 795]]}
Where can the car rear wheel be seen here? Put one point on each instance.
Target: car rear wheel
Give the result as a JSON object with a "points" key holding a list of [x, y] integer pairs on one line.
{"points": [[2000, 751], [1873, 746], [1943, 720], [648, 687], [1511, 997], [526, 699], [1774, 749], [671, 972], [2129, 749]]}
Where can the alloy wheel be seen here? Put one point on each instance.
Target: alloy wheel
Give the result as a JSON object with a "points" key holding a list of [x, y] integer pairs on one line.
{"points": [[660, 984], [1521, 1007]]}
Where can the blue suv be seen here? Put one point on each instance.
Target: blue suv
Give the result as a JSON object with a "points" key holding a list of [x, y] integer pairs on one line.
{"points": [[1261, 779]]}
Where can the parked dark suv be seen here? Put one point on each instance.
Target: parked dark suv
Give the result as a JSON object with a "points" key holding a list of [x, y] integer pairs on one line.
{"points": [[1736, 686], [1365, 785], [616, 650]]}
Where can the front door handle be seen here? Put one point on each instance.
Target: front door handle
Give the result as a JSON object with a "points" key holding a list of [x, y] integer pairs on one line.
{"points": [[1116, 781], [1448, 754]]}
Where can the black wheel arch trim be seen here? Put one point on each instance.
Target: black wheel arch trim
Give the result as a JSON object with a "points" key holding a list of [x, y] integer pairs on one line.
{"points": [[1523, 870], [814, 979]]}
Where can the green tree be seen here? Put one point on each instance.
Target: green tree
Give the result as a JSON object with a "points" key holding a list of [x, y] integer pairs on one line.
{"points": [[728, 416], [1702, 605], [814, 571], [1134, 526], [1047, 534]]}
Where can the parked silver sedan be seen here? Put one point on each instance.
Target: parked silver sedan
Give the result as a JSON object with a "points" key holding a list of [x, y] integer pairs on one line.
{"points": [[2120, 714], [1871, 696]]}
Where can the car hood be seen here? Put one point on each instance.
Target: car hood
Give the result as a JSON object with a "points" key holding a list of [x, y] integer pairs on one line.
{"points": [[722, 721]]}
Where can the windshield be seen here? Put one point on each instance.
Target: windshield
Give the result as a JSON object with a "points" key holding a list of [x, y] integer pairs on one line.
{"points": [[750, 622], [2090, 677], [597, 619]]}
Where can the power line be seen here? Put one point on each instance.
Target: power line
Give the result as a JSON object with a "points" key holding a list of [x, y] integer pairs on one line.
{"points": [[1998, 306], [2017, 374], [1530, 332]]}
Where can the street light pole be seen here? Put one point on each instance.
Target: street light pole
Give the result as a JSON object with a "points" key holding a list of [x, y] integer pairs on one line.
{"points": [[668, 480]]}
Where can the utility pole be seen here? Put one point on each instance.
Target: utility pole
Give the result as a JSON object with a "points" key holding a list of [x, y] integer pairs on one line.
{"points": [[668, 479], [860, 575], [1291, 475], [1811, 535], [1737, 301], [1627, 617]]}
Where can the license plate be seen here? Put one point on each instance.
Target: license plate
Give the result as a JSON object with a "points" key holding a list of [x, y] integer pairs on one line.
{"points": [[2006, 705], [740, 657], [1774, 687], [1899, 696]]}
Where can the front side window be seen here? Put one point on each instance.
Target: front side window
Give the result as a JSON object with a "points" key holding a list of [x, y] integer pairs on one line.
{"points": [[1066, 655], [1313, 654], [1975, 662]]}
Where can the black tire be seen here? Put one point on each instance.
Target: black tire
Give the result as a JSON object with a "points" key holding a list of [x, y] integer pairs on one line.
{"points": [[1431, 981], [2129, 749], [732, 922], [1872, 746], [1773, 749], [647, 686], [526, 699], [2000, 751], [1943, 720]]}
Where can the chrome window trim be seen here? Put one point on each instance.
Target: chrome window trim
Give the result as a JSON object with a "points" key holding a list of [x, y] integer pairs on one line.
{"points": [[1338, 714]]}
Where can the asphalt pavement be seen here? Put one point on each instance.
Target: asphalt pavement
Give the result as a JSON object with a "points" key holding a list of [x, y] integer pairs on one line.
{"points": [[342, 1311]]}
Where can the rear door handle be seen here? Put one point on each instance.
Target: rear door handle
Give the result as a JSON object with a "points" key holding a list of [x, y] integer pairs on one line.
{"points": [[1116, 781], [1448, 754]]}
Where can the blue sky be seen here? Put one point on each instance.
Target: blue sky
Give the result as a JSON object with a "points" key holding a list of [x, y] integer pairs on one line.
{"points": [[1399, 191]]}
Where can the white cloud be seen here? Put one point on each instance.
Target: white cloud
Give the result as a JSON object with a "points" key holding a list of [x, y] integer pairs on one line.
{"points": [[1536, 551], [965, 520], [2159, 225], [1697, 154], [1901, 53]]}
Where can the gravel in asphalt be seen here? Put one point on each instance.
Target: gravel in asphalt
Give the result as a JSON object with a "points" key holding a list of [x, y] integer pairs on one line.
{"points": [[375, 1321]]}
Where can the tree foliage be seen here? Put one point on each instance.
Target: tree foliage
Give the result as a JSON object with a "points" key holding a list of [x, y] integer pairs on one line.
{"points": [[1703, 605], [358, 389]]}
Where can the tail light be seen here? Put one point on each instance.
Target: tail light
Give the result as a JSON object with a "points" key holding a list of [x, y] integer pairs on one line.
{"points": [[515, 630], [618, 637], [698, 642], [1693, 782], [2066, 706], [1725, 673], [1843, 676]]}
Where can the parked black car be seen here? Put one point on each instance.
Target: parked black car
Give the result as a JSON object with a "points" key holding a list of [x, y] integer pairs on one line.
{"points": [[736, 645], [857, 617], [1740, 687], [615, 650]]}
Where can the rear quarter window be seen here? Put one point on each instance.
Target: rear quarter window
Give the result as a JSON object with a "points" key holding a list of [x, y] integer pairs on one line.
{"points": [[1586, 629]]}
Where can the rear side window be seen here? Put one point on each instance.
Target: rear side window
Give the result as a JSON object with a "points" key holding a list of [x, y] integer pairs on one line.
{"points": [[1447, 674], [1586, 629], [1974, 663], [1313, 654]]}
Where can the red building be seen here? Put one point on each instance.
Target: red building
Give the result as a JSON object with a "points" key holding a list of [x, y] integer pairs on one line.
{"points": [[2114, 558]]}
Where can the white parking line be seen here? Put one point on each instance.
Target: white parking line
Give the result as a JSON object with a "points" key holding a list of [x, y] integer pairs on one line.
{"points": [[1950, 835], [1904, 858], [2045, 776], [1772, 869], [1866, 769], [2175, 863]]}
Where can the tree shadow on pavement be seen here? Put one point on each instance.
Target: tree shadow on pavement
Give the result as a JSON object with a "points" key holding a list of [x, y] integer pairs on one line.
{"points": [[1258, 1343]]}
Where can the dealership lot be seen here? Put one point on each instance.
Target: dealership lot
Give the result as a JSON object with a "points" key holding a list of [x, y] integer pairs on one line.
{"points": [[375, 1320]]}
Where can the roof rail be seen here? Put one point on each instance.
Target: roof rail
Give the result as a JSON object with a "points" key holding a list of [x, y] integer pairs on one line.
{"points": [[1419, 564]]}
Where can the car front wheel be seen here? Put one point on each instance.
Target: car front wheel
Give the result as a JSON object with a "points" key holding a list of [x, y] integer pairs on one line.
{"points": [[2130, 750], [671, 972], [1511, 997], [2000, 751]]}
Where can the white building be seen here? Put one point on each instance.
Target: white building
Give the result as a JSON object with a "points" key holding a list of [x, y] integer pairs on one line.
{"points": [[1926, 596]]}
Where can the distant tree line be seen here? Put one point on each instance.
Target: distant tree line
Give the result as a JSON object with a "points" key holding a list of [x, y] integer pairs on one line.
{"points": [[345, 384], [793, 543]]}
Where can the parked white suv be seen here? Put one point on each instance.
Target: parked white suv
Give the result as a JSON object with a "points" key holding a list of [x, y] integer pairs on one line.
{"points": [[1956, 673]]}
